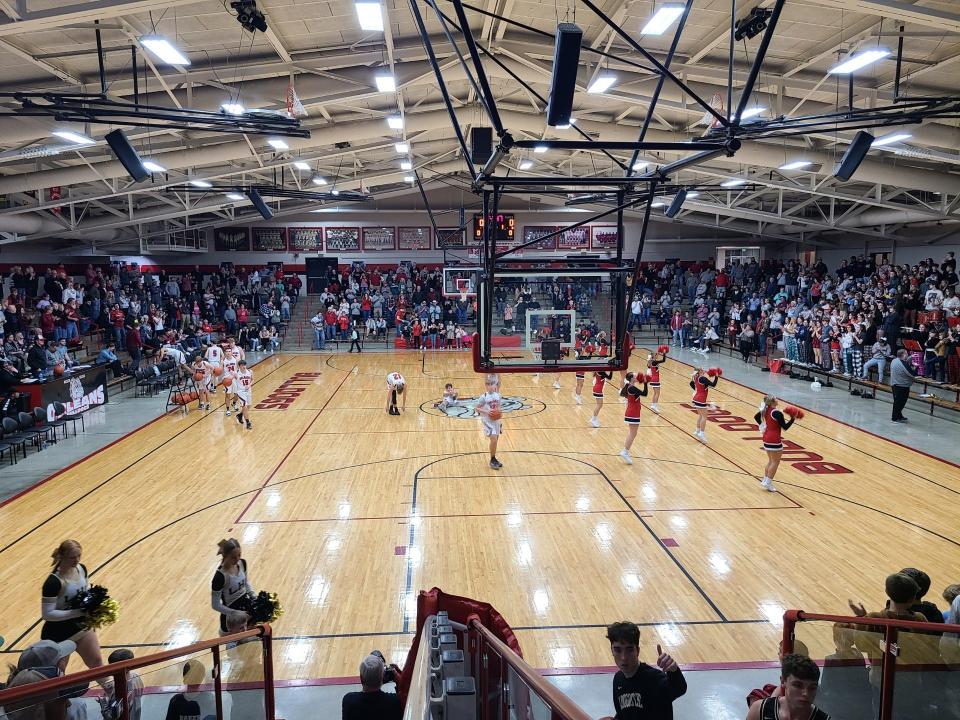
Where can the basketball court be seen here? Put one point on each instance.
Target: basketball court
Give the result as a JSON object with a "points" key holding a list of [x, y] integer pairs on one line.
{"points": [[347, 513]]}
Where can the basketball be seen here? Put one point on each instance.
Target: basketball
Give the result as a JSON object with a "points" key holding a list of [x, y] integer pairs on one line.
{"points": [[227, 381], [217, 370], [198, 376], [180, 399], [495, 414], [58, 370], [194, 395]]}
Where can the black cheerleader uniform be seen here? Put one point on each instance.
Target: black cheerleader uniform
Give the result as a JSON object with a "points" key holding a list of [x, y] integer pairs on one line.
{"points": [[60, 622], [231, 592]]}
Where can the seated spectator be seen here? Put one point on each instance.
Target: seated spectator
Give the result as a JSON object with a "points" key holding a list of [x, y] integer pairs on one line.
{"points": [[926, 608], [642, 691], [799, 676], [880, 352], [108, 357], [372, 703]]}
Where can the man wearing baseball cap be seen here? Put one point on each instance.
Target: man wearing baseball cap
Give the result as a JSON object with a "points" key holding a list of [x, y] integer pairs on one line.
{"points": [[46, 654]]}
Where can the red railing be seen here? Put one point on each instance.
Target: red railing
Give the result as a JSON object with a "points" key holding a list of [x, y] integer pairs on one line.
{"points": [[889, 648], [493, 662], [44, 690]]}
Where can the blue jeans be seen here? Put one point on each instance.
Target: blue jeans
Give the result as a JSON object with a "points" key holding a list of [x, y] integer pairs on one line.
{"points": [[678, 337], [284, 313], [331, 330], [319, 339], [879, 363]]}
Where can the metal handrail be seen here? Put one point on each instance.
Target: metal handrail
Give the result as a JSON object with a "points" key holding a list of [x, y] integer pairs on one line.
{"points": [[791, 617], [560, 705], [118, 671]]}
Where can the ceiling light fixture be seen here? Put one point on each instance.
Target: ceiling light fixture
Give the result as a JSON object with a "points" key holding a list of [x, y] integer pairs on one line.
{"points": [[402, 147], [525, 164], [385, 83], [540, 148], [733, 182], [692, 194], [319, 180], [640, 165], [233, 108], [153, 167], [163, 49], [301, 165], [409, 178], [406, 165], [278, 144], [75, 138], [395, 122], [663, 18], [200, 183], [890, 139], [567, 126], [334, 192], [370, 15], [752, 112], [858, 61], [602, 84], [235, 196], [795, 165]]}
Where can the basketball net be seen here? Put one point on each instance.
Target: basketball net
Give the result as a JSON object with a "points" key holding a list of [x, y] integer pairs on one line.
{"points": [[295, 108]]}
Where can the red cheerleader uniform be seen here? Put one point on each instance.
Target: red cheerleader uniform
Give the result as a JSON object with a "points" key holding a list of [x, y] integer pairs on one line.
{"points": [[654, 374], [598, 380], [631, 415], [774, 424], [700, 389]]}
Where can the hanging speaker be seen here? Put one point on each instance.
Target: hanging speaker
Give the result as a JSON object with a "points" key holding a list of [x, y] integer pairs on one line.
{"points": [[678, 200], [259, 204], [126, 155], [854, 155], [566, 61], [481, 144]]}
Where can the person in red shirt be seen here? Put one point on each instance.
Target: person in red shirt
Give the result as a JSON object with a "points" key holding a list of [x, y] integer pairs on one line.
{"points": [[631, 415], [772, 424], [343, 322], [243, 315], [417, 331], [117, 319], [330, 321]]}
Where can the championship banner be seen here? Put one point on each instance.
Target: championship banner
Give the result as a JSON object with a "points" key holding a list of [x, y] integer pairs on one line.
{"points": [[343, 239], [270, 239], [604, 237], [305, 239], [379, 238], [231, 239]]}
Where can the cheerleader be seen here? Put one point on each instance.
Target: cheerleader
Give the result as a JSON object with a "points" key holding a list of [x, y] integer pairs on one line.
{"points": [[67, 580], [205, 370], [654, 360], [772, 423], [580, 375], [231, 594], [631, 415], [701, 383], [599, 378]]}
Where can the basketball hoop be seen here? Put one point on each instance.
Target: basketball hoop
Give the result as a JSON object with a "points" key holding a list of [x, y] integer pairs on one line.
{"points": [[295, 107]]}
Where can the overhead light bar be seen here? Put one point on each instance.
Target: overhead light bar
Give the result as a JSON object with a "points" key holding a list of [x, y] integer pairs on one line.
{"points": [[409, 178], [201, 183], [334, 192], [540, 148], [385, 83], [662, 19], [395, 122], [406, 165], [602, 84], [525, 164], [319, 180], [657, 204], [752, 112], [567, 126], [370, 15], [890, 139], [733, 182], [692, 194], [858, 61], [402, 147], [163, 49], [640, 165], [235, 196], [153, 167], [233, 108], [795, 165], [277, 144], [75, 138], [301, 165]]}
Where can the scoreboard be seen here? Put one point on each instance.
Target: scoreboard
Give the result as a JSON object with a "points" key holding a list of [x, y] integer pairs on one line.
{"points": [[505, 227]]}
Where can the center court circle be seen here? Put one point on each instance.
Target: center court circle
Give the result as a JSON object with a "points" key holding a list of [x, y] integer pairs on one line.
{"points": [[466, 408]]}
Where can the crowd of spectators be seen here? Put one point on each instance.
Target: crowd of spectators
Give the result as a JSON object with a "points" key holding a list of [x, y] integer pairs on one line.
{"points": [[850, 321]]}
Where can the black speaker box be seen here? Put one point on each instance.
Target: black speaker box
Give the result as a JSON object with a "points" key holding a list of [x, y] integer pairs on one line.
{"points": [[853, 156], [481, 144], [126, 155], [265, 212], [550, 350], [566, 60]]}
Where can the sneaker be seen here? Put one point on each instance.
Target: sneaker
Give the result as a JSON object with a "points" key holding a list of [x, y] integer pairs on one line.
{"points": [[595, 421], [228, 412], [249, 425], [626, 457], [556, 385], [578, 400], [240, 418], [768, 485], [495, 464], [702, 437], [655, 407]]}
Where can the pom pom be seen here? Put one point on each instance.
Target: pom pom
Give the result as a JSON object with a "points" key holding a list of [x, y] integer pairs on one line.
{"points": [[663, 349], [265, 608], [99, 607], [794, 412], [713, 372]]}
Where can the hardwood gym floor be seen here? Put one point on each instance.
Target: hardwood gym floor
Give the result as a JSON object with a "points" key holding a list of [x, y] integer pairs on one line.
{"points": [[347, 512]]}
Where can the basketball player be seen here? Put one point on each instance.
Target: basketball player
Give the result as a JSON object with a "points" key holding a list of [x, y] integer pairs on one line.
{"points": [[600, 377], [488, 407], [395, 386], [450, 396], [772, 423], [231, 592], [700, 383], [244, 393], [653, 378], [631, 415], [576, 393], [556, 379], [230, 368], [205, 370], [214, 356]]}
